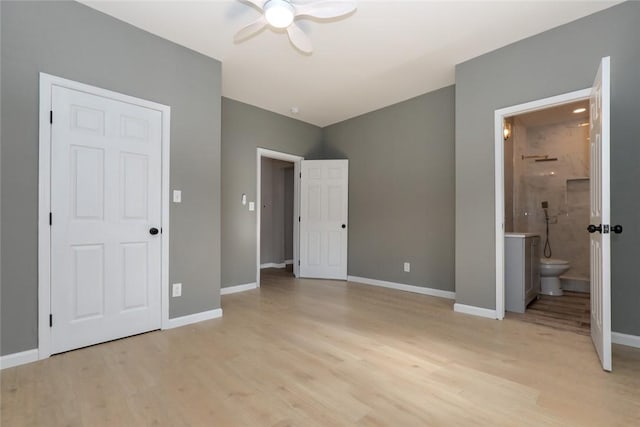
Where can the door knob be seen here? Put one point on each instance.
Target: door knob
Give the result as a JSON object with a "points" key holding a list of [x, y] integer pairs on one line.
{"points": [[344, 225], [617, 229], [153, 231], [593, 228]]}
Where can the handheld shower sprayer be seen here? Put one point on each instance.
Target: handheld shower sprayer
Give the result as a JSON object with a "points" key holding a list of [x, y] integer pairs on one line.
{"points": [[545, 206], [547, 244]]}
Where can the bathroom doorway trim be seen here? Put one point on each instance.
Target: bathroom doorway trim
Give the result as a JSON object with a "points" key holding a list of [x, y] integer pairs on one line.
{"points": [[500, 116]]}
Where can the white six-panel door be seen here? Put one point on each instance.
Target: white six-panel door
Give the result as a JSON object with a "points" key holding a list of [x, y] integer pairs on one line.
{"points": [[324, 199], [600, 251], [105, 198]]}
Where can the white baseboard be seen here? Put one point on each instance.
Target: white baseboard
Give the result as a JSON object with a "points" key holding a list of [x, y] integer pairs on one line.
{"points": [[273, 265], [624, 339], [16, 359], [194, 318], [238, 288], [402, 287], [475, 311], [288, 262]]}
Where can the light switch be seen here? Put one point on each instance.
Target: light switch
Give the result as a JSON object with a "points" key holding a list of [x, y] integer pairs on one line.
{"points": [[177, 290], [252, 206], [177, 196]]}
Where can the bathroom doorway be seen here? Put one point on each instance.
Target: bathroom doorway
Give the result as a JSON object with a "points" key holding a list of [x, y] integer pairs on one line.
{"points": [[546, 211], [276, 216], [526, 176], [277, 162]]}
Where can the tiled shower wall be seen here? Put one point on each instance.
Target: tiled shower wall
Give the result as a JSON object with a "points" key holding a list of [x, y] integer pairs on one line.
{"points": [[564, 184]]}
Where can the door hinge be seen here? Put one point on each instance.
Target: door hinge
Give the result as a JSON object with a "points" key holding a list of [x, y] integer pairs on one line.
{"points": [[300, 174], [605, 229], [298, 219], [51, 116], [51, 320], [298, 262], [50, 218]]}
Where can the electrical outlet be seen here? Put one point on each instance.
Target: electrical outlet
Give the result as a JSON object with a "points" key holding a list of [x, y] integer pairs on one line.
{"points": [[407, 267], [177, 290]]}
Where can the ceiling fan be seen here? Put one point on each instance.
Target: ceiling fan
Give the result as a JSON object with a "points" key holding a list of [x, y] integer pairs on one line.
{"points": [[281, 14]]}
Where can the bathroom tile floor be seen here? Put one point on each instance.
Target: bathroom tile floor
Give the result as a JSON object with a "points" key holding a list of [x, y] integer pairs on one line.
{"points": [[570, 312]]}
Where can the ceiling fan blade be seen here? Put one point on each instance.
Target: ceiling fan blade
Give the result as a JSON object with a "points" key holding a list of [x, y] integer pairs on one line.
{"points": [[257, 3], [250, 29], [325, 9], [299, 38]]}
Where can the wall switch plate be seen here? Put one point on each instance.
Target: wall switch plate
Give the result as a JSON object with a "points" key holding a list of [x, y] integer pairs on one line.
{"points": [[176, 291], [177, 196], [252, 206], [407, 267]]}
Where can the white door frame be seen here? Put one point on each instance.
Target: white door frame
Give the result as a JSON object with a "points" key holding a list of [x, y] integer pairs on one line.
{"points": [[500, 116], [47, 82], [271, 154]]}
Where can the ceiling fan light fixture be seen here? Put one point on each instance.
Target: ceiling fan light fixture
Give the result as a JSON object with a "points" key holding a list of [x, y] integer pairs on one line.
{"points": [[279, 13]]}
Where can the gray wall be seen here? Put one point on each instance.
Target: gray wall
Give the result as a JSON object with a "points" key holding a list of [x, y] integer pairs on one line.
{"points": [[276, 218], [266, 210], [557, 61], [401, 190], [245, 128], [508, 181], [73, 41]]}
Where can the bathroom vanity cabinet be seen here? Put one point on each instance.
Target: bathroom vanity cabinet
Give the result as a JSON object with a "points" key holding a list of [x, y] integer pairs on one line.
{"points": [[522, 270]]}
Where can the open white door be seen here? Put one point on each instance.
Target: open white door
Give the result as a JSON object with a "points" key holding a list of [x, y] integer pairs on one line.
{"points": [[600, 247], [324, 197]]}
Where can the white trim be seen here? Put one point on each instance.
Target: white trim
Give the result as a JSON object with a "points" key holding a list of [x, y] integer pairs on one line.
{"points": [[238, 288], [625, 339], [166, 205], [288, 261], [499, 117], [296, 213], [475, 311], [402, 287], [44, 207], [176, 322], [17, 359], [271, 154], [273, 265], [47, 82]]}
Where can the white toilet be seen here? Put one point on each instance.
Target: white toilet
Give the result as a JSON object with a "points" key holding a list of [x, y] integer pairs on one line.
{"points": [[550, 271]]}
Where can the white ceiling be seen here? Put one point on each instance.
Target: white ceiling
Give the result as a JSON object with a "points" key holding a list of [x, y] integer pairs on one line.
{"points": [[384, 53]]}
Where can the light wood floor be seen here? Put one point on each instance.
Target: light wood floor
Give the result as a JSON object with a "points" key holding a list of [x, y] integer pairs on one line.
{"points": [[323, 353]]}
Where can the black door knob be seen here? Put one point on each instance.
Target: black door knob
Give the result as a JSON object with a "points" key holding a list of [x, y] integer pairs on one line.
{"points": [[617, 229], [153, 231], [344, 226], [593, 228]]}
